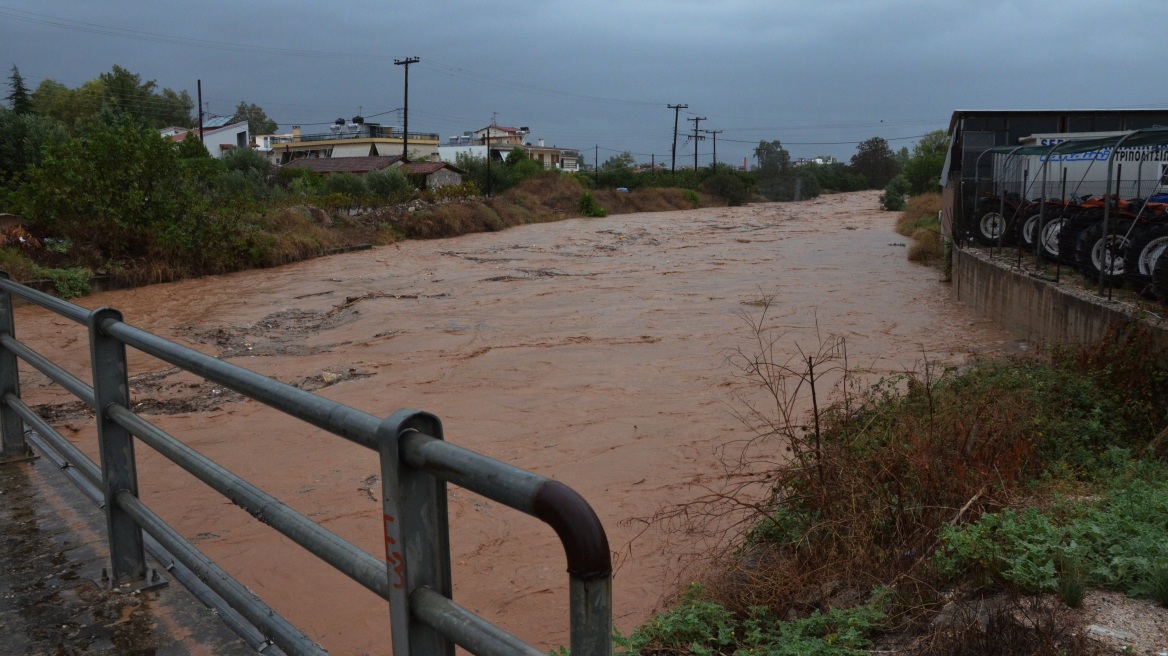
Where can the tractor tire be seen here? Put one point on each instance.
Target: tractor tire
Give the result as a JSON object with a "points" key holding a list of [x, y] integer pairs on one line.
{"points": [[1160, 278], [1048, 236], [1095, 254], [989, 226], [1147, 245], [1068, 235], [1027, 230]]}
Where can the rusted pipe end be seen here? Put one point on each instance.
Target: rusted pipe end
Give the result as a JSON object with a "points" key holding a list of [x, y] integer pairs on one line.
{"points": [[580, 530]]}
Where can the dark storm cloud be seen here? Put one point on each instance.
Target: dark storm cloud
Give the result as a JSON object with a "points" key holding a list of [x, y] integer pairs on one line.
{"points": [[601, 73]]}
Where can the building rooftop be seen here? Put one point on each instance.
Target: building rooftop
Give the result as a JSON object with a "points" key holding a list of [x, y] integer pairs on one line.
{"points": [[344, 164]]}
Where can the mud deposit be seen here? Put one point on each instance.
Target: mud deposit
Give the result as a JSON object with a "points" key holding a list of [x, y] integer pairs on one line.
{"points": [[592, 351]]}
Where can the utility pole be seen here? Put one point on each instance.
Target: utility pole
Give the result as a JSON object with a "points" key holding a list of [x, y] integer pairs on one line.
{"points": [[697, 138], [715, 133], [596, 164], [676, 109], [200, 83], [406, 111], [487, 140]]}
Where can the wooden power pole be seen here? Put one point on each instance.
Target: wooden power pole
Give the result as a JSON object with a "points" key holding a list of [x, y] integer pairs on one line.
{"points": [[676, 109], [406, 111]]}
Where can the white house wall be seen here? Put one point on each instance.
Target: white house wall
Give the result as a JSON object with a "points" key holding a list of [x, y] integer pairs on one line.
{"points": [[214, 139]]}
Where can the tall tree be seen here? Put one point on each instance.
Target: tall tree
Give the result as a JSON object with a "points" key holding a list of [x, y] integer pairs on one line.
{"points": [[118, 188], [778, 179], [875, 161], [21, 101], [23, 139], [257, 121], [772, 157], [623, 160], [127, 93], [923, 170]]}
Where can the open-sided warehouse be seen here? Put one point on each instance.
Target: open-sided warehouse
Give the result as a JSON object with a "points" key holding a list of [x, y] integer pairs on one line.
{"points": [[972, 132]]}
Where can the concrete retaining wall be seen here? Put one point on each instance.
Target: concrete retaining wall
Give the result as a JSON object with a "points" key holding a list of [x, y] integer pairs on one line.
{"points": [[1038, 310]]}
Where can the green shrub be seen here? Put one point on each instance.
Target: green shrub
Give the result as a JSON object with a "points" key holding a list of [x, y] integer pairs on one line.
{"points": [[345, 184], [69, 283], [692, 197], [697, 626], [892, 200], [588, 206], [1158, 582], [1072, 583], [728, 187], [1116, 542], [389, 184], [248, 160]]}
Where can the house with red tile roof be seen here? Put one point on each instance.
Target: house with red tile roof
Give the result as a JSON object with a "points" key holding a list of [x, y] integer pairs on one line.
{"points": [[355, 165], [432, 174]]}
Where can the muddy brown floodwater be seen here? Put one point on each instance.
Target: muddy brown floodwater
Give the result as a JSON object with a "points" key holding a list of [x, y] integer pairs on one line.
{"points": [[592, 351]]}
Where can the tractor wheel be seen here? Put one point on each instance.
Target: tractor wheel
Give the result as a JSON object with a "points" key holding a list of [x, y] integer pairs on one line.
{"points": [[989, 228], [1147, 245], [1068, 236], [1096, 253]]}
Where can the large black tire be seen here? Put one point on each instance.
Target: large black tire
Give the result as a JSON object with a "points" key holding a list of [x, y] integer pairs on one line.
{"points": [[1048, 235], [1068, 235], [989, 225], [1148, 243], [1026, 229], [1160, 278], [1096, 253]]}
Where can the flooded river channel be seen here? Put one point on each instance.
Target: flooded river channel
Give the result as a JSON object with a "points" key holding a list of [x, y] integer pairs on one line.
{"points": [[591, 351]]}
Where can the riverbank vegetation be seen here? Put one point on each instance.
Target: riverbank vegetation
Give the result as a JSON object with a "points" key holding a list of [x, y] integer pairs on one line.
{"points": [[940, 511], [920, 221]]}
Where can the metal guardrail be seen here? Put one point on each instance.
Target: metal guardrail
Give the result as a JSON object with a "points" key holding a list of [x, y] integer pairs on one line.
{"points": [[416, 464]]}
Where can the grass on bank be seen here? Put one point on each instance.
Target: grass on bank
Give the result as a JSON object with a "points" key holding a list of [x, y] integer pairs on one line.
{"points": [[929, 491], [289, 232], [919, 221]]}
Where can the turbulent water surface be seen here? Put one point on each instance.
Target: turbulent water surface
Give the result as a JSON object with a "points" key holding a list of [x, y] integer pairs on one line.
{"points": [[592, 351]]}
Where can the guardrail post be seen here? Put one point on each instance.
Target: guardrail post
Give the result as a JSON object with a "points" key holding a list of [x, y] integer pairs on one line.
{"points": [[11, 425], [118, 471], [417, 535]]}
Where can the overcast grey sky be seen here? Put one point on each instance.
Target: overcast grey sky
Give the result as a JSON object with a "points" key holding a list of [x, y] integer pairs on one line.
{"points": [[584, 74]]}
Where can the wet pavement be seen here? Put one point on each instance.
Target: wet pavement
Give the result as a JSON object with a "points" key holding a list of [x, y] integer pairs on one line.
{"points": [[54, 599]]}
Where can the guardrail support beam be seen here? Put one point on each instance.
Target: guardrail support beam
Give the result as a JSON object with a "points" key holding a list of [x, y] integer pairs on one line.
{"points": [[417, 535], [11, 426], [116, 444]]}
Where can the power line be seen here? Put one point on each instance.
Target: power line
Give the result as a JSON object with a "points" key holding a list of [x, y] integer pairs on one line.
{"points": [[174, 39], [106, 30], [458, 71], [824, 143]]}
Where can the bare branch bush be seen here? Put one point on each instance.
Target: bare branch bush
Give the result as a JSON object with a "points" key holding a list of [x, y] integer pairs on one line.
{"points": [[841, 482]]}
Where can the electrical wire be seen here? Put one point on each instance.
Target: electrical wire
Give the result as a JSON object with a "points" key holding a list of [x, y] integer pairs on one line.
{"points": [[428, 64]]}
